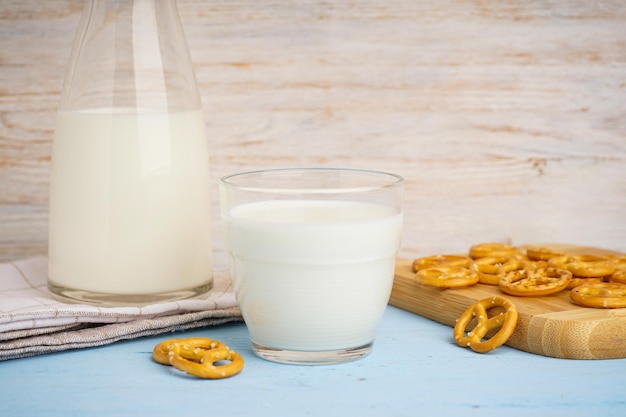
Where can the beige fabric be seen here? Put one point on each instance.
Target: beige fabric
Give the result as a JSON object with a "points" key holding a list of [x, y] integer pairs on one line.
{"points": [[32, 322]]}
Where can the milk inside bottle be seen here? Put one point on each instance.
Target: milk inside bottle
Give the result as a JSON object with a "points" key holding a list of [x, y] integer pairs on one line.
{"points": [[129, 203]]}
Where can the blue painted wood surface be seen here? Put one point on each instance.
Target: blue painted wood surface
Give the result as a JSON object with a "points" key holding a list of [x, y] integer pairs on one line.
{"points": [[415, 369]]}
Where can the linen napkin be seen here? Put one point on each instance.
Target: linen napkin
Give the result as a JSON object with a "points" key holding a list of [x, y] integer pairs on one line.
{"points": [[32, 322]]}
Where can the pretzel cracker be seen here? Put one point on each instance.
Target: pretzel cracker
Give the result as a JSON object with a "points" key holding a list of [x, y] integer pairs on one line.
{"points": [[199, 356], [528, 283], [600, 295], [505, 321], [447, 277]]}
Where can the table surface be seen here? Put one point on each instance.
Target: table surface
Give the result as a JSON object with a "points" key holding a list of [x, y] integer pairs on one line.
{"points": [[414, 369]]}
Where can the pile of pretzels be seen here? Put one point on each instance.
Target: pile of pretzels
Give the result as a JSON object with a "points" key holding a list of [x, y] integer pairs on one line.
{"points": [[592, 281]]}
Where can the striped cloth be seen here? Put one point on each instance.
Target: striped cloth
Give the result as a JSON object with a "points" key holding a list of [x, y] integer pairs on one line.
{"points": [[32, 322]]}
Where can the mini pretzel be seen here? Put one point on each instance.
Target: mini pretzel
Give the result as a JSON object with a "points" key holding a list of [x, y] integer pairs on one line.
{"points": [[541, 254], [527, 283], [201, 362], [447, 277], [197, 356], [488, 268], [514, 264], [505, 321], [502, 267], [441, 260], [588, 266], [600, 295], [483, 250], [161, 351], [578, 281]]}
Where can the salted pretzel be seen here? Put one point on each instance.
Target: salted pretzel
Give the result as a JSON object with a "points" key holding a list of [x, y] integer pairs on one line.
{"points": [[537, 253], [577, 281], [161, 351], [515, 264], [202, 363], [588, 266], [531, 265], [483, 250], [600, 295], [441, 260], [488, 268], [504, 321], [198, 356], [529, 283], [447, 277]]}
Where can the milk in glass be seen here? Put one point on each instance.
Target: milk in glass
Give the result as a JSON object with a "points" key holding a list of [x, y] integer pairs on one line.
{"points": [[339, 255]]}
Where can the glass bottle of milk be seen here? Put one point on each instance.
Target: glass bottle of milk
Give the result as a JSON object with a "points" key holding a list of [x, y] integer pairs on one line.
{"points": [[129, 191]]}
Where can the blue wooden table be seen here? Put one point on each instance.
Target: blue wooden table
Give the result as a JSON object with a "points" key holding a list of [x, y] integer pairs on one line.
{"points": [[415, 369]]}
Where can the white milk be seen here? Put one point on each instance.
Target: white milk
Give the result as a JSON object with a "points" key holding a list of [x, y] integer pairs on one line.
{"points": [[129, 202], [312, 275]]}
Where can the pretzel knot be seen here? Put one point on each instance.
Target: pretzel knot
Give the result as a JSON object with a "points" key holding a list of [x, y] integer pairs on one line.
{"points": [[199, 356], [588, 266], [541, 281], [441, 260], [541, 254], [447, 276], [488, 267], [600, 295], [496, 250], [504, 321]]}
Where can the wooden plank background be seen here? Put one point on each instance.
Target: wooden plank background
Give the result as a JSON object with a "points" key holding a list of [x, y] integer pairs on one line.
{"points": [[507, 118]]}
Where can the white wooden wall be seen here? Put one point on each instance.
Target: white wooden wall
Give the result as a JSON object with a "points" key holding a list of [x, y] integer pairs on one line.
{"points": [[507, 118]]}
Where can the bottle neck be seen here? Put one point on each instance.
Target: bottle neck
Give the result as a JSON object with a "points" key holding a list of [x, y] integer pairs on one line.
{"points": [[130, 53]]}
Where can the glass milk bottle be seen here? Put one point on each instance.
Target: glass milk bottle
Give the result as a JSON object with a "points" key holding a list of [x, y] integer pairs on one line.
{"points": [[129, 191]]}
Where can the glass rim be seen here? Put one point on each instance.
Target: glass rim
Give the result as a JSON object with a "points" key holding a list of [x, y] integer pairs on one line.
{"points": [[395, 180]]}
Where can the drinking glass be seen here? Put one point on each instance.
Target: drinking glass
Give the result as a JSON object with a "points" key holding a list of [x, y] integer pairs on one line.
{"points": [[312, 254]]}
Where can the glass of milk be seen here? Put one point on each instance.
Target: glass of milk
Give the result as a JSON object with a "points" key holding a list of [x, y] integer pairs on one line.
{"points": [[312, 255]]}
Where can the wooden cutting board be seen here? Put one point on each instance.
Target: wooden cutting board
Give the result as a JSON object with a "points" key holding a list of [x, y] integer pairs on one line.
{"points": [[550, 326]]}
